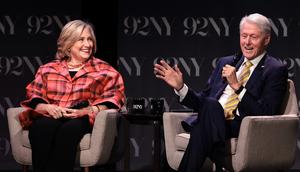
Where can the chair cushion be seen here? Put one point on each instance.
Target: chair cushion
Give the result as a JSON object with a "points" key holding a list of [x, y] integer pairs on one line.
{"points": [[83, 145], [182, 139], [85, 142], [230, 146]]}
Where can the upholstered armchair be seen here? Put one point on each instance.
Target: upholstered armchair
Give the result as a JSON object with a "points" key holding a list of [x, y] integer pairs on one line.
{"points": [[265, 143], [94, 148]]}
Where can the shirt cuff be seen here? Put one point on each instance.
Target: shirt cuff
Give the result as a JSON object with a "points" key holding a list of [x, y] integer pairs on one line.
{"points": [[182, 92]]}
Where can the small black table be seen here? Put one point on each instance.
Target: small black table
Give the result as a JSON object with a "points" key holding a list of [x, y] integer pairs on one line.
{"points": [[143, 119]]}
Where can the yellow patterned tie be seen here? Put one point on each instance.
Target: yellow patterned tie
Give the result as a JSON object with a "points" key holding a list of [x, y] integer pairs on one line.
{"points": [[233, 100]]}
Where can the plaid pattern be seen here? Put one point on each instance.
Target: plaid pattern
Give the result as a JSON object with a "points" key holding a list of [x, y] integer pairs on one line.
{"points": [[96, 82]]}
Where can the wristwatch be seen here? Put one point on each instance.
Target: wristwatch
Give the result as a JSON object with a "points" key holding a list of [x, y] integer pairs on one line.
{"points": [[238, 91]]}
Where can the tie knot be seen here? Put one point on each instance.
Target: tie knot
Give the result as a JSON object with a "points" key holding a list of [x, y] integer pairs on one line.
{"points": [[248, 64]]}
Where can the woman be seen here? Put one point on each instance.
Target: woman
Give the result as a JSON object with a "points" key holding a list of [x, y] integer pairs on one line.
{"points": [[65, 96]]}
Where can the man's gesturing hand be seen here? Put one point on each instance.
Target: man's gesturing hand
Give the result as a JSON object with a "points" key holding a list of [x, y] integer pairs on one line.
{"points": [[172, 76]]}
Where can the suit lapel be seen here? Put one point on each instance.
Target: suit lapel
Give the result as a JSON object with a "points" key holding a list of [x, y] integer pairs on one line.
{"points": [[257, 73]]}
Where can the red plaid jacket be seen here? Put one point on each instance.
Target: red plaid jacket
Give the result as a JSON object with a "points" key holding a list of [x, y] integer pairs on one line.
{"points": [[97, 82]]}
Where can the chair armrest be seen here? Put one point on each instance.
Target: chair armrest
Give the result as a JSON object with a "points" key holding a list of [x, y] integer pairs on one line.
{"points": [[172, 120], [260, 136], [172, 127], [102, 138], [15, 133]]}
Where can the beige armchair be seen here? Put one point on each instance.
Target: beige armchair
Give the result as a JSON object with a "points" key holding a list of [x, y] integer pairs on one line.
{"points": [[265, 143], [94, 148]]}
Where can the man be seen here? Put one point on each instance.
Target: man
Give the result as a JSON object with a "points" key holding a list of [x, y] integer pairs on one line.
{"points": [[253, 83]]}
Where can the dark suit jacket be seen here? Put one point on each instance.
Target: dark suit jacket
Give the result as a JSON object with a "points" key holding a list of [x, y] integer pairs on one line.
{"points": [[266, 88]]}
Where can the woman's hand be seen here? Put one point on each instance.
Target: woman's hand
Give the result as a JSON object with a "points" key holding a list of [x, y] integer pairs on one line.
{"points": [[54, 110], [172, 76], [58, 112], [80, 112], [84, 111]]}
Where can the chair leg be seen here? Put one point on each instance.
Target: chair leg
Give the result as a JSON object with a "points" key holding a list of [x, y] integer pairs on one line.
{"points": [[86, 169], [25, 168]]}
